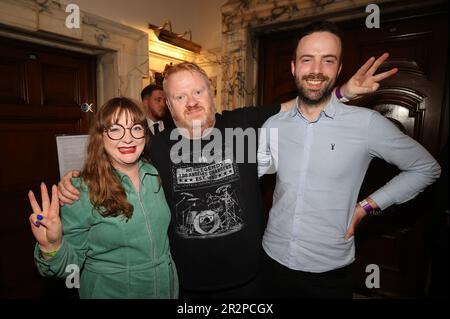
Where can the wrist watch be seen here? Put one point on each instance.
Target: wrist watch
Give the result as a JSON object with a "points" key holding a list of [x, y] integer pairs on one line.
{"points": [[368, 208]]}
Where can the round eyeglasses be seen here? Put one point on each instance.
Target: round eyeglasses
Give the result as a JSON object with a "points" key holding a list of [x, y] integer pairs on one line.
{"points": [[117, 131]]}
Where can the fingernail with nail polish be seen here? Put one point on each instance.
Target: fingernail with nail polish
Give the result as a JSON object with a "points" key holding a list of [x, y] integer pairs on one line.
{"points": [[40, 217], [37, 224]]}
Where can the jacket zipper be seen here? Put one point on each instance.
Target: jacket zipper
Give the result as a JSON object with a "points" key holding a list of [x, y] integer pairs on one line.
{"points": [[149, 231]]}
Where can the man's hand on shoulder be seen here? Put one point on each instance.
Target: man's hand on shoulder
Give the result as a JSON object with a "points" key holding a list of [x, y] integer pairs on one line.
{"points": [[67, 193]]}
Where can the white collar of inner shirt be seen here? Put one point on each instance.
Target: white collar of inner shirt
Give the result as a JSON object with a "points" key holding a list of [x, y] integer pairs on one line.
{"points": [[151, 122]]}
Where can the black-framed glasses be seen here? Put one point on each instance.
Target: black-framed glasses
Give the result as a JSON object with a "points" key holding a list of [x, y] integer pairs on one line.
{"points": [[117, 131]]}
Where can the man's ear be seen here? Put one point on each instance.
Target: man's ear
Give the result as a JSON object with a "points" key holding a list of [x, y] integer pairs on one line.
{"points": [[293, 67], [339, 71]]}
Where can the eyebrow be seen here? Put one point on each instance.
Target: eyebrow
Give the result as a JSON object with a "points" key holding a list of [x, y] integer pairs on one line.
{"points": [[323, 57]]}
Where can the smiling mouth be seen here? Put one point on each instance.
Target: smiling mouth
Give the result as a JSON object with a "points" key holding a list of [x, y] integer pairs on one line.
{"points": [[127, 150], [315, 82]]}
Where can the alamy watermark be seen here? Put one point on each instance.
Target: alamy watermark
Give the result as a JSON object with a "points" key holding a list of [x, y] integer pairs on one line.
{"points": [[373, 279], [239, 145], [73, 19], [373, 19], [73, 279]]}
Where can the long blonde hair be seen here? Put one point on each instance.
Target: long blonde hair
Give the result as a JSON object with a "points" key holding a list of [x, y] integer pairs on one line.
{"points": [[105, 189]]}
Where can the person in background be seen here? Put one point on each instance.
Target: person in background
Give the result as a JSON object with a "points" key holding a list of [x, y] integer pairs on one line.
{"points": [[154, 102]]}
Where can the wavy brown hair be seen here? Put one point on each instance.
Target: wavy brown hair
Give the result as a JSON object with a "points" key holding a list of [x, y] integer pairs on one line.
{"points": [[105, 189]]}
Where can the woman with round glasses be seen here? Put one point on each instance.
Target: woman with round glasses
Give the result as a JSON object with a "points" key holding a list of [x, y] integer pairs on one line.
{"points": [[115, 236]]}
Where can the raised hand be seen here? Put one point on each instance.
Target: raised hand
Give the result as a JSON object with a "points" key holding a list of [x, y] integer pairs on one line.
{"points": [[46, 223], [364, 81]]}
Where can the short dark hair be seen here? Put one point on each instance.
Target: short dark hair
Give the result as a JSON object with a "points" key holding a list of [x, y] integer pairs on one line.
{"points": [[148, 90], [320, 26]]}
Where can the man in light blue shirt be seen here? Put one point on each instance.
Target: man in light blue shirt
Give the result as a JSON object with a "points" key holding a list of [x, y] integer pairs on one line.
{"points": [[321, 150]]}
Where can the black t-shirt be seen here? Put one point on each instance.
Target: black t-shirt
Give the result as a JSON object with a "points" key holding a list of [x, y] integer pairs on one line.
{"points": [[217, 217]]}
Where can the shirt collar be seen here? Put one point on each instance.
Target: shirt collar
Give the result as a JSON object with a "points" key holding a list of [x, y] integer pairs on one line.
{"points": [[330, 108], [328, 111], [144, 170], [150, 123], [295, 111]]}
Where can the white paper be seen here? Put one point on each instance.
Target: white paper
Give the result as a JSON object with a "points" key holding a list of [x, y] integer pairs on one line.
{"points": [[71, 152]]}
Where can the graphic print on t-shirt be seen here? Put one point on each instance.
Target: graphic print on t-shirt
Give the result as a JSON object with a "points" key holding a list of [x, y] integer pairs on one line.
{"points": [[206, 199]]}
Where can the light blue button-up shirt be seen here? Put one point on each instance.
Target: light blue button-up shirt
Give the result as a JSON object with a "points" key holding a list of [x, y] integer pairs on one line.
{"points": [[320, 167]]}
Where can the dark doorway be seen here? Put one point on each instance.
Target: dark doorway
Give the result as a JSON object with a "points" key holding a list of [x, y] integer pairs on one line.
{"points": [[41, 92]]}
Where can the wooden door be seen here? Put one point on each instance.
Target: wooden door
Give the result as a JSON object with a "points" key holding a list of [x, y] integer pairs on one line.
{"points": [[414, 100], [41, 91]]}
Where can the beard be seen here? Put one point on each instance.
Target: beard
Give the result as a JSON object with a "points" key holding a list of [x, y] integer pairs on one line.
{"points": [[314, 97], [159, 114], [199, 123]]}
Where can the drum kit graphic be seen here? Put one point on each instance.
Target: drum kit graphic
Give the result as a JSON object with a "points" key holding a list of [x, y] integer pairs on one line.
{"points": [[217, 213]]}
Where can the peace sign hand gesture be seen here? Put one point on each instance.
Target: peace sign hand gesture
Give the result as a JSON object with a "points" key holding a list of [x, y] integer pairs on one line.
{"points": [[46, 223], [364, 81]]}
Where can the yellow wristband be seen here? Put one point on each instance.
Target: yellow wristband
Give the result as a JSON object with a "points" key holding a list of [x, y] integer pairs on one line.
{"points": [[49, 253]]}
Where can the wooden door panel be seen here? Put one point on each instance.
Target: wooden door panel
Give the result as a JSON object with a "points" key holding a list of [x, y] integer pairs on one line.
{"points": [[62, 81], [405, 107], [60, 86], [275, 66], [13, 81], [283, 76], [418, 46], [412, 47], [35, 155], [41, 92]]}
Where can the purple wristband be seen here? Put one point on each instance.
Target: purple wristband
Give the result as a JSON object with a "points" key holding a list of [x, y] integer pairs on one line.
{"points": [[338, 92], [366, 206], [339, 95]]}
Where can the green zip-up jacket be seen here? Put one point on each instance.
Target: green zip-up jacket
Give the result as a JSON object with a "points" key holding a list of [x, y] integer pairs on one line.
{"points": [[117, 258]]}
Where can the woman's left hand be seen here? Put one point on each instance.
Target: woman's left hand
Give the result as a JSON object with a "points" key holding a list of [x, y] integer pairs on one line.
{"points": [[46, 223]]}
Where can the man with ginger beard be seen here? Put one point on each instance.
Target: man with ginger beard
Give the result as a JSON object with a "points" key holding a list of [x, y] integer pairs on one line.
{"points": [[217, 216], [322, 151]]}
